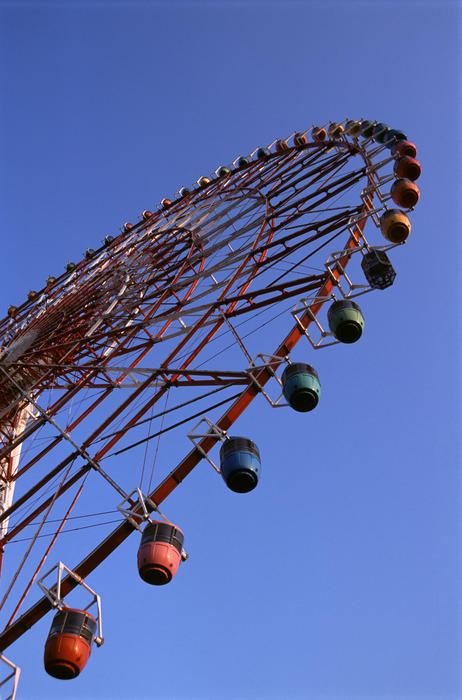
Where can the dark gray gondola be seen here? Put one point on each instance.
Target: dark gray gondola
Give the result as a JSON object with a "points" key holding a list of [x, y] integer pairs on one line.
{"points": [[378, 269]]}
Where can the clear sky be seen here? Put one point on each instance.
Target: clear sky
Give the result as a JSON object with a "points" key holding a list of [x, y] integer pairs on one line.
{"points": [[339, 577]]}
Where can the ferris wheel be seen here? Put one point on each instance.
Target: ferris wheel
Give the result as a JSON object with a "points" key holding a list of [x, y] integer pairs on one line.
{"points": [[173, 327]]}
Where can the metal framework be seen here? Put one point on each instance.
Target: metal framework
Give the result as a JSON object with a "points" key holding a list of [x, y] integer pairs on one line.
{"points": [[172, 303], [54, 594], [11, 678]]}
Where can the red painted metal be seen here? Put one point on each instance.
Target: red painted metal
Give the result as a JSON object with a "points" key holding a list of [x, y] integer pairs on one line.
{"points": [[48, 549], [66, 655], [79, 356], [85, 567]]}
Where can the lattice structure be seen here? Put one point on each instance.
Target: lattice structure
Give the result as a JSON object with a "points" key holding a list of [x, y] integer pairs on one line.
{"points": [[172, 307]]}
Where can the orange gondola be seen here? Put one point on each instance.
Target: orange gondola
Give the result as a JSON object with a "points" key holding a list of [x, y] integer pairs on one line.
{"points": [[68, 644]]}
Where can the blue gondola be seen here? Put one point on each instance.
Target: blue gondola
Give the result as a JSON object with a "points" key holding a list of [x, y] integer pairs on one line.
{"points": [[263, 154], [380, 132], [240, 464], [394, 136], [367, 128]]}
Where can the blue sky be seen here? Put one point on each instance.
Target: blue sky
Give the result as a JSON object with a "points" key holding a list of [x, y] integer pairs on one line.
{"points": [[339, 577]]}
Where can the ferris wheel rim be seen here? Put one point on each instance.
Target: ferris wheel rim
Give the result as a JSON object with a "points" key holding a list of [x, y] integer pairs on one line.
{"points": [[248, 393]]}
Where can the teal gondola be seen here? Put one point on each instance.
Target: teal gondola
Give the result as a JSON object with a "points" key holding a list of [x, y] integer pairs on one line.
{"points": [[301, 386], [346, 321]]}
